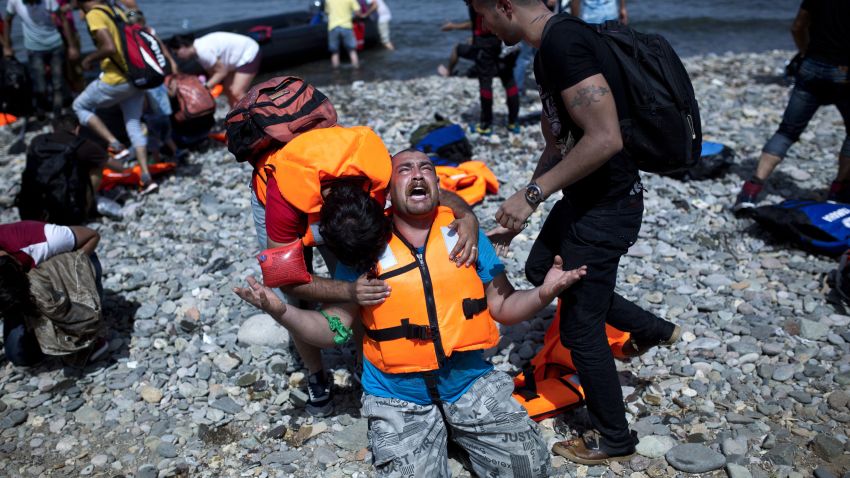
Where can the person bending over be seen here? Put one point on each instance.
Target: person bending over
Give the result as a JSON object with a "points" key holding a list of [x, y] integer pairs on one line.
{"points": [[425, 379]]}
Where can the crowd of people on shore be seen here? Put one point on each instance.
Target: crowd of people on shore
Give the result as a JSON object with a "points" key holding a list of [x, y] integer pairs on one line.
{"points": [[418, 287]]}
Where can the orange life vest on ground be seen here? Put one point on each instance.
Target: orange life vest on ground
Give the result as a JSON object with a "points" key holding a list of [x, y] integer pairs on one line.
{"points": [[435, 307], [550, 386], [471, 180], [319, 157]]}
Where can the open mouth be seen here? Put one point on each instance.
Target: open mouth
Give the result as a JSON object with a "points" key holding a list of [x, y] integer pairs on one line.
{"points": [[418, 191]]}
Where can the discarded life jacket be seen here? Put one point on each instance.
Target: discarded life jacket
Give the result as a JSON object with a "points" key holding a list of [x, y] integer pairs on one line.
{"points": [[443, 141], [132, 176], [822, 227], [471, 180], [424, 320], [6, 119], [319, 157], [549, 385]]}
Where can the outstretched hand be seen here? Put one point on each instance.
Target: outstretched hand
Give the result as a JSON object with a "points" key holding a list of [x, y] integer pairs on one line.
{"points": [[501, 238], [465, 252], [261, 297], [557, 279]]}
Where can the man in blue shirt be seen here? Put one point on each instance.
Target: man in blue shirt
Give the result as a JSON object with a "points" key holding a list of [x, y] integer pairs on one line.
{"points": [[424, 384]]}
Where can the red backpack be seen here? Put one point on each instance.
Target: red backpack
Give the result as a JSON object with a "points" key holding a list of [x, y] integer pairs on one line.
{"points": [[274, 112], [193, 98], [147, 65]]}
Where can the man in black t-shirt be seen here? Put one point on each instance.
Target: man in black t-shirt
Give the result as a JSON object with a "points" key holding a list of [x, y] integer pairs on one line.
{"points": [[599, 218], [486, 51], [820, 33]]}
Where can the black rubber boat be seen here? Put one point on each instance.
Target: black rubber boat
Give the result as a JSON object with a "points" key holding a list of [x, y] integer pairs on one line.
{"points": [[286, 39]]}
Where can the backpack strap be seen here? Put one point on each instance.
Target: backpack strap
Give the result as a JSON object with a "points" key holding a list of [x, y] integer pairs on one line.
{"points": [[119, 25]]}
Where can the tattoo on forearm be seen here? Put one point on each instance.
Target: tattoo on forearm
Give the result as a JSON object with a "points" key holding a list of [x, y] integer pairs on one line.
{"points": [[587, 95]]}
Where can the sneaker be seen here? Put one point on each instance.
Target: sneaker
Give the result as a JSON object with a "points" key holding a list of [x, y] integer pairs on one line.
{"points": [[513, 128], [147, 185], [319, 390], [118, 151], [635, 348], [587, 451], [481, 129], [748, 197]]}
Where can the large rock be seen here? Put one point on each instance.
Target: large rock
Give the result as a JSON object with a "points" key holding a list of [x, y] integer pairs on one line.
{"points": [[353, 437], [655, 446], [263, 330], [693, 458], [812, 330]]}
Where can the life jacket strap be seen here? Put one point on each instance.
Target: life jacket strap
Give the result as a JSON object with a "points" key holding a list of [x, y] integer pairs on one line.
{"points": [[529, 390], [473, 307], [403, 331]]}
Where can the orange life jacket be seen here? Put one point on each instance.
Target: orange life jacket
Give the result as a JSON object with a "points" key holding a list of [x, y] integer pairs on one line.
{"points": [[132, 176], [319, 157], [435, 307], [471, 180], [550, 386]]}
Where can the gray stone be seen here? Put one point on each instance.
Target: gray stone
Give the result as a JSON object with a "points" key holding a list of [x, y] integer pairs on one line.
{"points": [[146, 311], [655, 446], [838, 400], [737, 471], [147, 471], [325, 455], [783, 373], [827, 447], [734, 446], [716, 280], [281, 457], [263, 330], [821, 472], [226, 362], [353, 437], [74, 404], [227, 405], [13, 419], [88, 416], [783, 454], [704, 343], [693, 458], [166, 450], [812, 330]]}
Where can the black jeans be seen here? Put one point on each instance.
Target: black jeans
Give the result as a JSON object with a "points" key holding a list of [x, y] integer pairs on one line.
{"points": [[597, 238]]}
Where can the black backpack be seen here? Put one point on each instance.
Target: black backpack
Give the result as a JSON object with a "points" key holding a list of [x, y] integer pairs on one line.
{"points": [[443, 141], [15, 88], [54, 188], [663, 133]]}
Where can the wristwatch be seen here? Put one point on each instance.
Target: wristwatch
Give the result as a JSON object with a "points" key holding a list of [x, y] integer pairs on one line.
{"points": [[534, 194]]}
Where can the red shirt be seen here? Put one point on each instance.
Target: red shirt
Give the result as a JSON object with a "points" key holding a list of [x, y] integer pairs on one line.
{"points": [[33, 242], [284, 223]]}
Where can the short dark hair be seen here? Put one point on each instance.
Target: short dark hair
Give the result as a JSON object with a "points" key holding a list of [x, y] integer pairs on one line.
{"points": [[15, 297], [181, 40], [66, 122], [354, 226]]}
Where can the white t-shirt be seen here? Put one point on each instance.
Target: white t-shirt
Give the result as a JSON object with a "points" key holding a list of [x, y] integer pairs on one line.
{"points": [[231, 49], [57, 239], [384, 14], [40, 33]]}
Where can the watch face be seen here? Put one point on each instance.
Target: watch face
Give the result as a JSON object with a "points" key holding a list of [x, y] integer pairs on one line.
{"points": [[532, 194]]}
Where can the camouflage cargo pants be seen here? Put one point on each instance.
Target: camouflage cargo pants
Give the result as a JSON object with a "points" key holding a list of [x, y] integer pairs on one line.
{"points": [[410, 440]]}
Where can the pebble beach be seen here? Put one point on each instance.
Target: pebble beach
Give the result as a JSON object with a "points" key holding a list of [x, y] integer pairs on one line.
{"points": [[198, 383]]}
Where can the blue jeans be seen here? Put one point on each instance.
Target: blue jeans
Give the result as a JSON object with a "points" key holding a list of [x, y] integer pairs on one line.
{"points": [[37, 62], [21, 345], [526, 56], [818, 84], [344, 35]]}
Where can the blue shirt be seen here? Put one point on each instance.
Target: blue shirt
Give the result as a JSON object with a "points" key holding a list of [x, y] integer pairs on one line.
{"points": [[462, 369]]}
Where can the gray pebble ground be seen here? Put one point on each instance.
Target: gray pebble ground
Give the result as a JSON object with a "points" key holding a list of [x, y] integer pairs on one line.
{"points": [[758, 387]]}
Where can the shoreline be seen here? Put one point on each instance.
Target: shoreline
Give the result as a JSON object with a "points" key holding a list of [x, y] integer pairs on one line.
{"points": [[761, 376]]}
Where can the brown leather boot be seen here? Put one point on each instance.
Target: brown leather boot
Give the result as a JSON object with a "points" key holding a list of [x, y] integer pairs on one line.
{"points": [[635, 348], [587, 451]]}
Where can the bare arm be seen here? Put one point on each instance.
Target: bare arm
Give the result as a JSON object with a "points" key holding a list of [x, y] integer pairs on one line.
{"points": [[7, 36], [220, 72], [592, 107], [800, 30], [105, 48], [465, 251], [86, 239], [73, 52], [449, 26], [624, 14], [550, 155], [308, 325], [129, 4], [575, 8], [510, 306]]}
